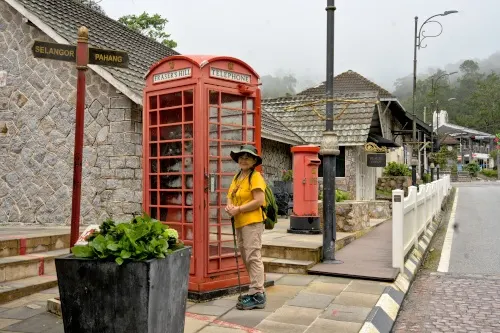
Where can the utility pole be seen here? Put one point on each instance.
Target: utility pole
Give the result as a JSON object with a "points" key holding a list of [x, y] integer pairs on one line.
{"points": [[329, 146]]}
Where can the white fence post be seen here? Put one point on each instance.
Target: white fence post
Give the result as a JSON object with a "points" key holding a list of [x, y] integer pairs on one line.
{"points": [[412, 193], [398, 251]]}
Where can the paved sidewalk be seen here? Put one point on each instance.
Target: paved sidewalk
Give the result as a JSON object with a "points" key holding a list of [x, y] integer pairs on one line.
{"points": [[296, 304]]}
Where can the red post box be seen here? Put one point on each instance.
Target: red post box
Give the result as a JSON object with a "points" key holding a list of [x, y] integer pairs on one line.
{"points": [[305, 218], [196, 110]]}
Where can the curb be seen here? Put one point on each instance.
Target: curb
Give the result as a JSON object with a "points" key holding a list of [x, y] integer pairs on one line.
{"points": [[383, 316]]}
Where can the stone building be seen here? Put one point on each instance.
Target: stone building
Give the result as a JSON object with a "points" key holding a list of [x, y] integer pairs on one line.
{"points": [[373, 115], [37, 115]]}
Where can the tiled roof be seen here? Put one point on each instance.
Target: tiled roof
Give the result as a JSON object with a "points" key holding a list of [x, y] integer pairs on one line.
{"points": [[66, 16], [352, 127], [275, 130], [348, 82]]}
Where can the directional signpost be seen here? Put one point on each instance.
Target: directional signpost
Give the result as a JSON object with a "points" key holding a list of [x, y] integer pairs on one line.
{"points": [[82, 55]]}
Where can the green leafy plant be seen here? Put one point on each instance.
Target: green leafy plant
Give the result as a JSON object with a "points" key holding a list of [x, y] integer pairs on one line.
{"points": [[140, 239], [473, 169], [287, 175], [490, 173], [397, 169], [341, 195], [426, 177]]}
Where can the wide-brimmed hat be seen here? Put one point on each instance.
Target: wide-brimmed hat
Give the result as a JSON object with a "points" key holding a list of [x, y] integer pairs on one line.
{"points": [[248, 149]]}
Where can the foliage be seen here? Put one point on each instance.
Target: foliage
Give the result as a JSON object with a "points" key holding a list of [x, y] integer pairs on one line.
{"points": [[442, 156], [426, 177], [473, 168], [474, 94], [490, 173], [280, 85], [341, 195], [151, 26], [287, 175], [92, 4], [397, 169], [141, 239]]}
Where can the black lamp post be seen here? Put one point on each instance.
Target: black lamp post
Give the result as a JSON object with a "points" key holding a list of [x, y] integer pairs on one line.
{"points": [[437, 172], [432, 172], [419, 38], [329, 147]]}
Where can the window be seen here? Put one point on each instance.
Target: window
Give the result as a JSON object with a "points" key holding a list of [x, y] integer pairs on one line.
{"points": [[340, 165]]}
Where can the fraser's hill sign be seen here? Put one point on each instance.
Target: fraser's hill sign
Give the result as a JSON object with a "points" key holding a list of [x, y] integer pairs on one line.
{"points": [[64, 52], [172, 75]]}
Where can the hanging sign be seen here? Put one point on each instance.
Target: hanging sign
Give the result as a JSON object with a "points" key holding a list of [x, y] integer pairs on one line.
{"points": [[172, 75], [104, 57], [229, 75], [376, 160]]}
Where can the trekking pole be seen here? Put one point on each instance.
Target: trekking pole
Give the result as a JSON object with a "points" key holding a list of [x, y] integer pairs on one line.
{"points": [[236, 256]]}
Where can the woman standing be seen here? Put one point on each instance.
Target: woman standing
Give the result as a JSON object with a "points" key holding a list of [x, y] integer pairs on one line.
{"points": [[244, 201]]}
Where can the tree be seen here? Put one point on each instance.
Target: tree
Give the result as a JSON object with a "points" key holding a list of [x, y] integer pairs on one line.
{"points": [[92, 4], [151, 26], [278, 86]]}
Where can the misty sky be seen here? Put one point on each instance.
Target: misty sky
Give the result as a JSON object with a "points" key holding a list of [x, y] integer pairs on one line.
{"points": [[372, 37]]}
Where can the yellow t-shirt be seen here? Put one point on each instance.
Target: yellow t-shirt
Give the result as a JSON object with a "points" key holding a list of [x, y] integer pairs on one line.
{"points": [[243, 195]]}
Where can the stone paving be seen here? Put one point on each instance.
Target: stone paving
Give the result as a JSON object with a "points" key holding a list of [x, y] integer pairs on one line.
{"points": [[444, 302], [296, 304]]}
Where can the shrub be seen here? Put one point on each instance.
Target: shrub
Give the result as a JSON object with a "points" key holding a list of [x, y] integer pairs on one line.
{"points": [[490, 173], [473, 168], [339, 195], [287, 175], [397, 169], [426, 177]]}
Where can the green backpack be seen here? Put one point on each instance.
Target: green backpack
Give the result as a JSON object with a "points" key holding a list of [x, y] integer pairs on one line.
{"points": [[270, 209]]}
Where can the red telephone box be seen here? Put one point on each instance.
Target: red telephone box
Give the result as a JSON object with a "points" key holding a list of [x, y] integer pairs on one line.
{"points": [[305, 218], [196, 110]]}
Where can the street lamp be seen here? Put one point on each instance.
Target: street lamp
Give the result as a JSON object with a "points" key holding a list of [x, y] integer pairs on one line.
{"points": [[329, 147], [434, 87], [419, 38]]}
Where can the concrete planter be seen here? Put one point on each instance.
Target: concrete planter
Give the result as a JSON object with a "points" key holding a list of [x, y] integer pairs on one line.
{"points": [[139, 297]]}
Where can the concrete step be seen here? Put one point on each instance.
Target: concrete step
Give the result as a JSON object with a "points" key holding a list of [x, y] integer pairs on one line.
{"points": [[16, 243], [24, 266], [286, 266], [292, 251], [12, 290]]}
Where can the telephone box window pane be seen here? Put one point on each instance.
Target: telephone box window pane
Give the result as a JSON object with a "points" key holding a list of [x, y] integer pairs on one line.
{"points": [[231, 133], [214, 233], [189, 181], [171, 132], [213, 213], [227, 247], [188, 113], [226, 182], [153, 212], [172, 116], [171, 198], [188, 147], [232, 117], [170, 182], [152, 118], [213, 198], [170, 100], [213, 131], [250, 119], [232, 101], [153, 102], [171, 149], [214, 249], [153, 134], [214, 148], [170, 165], [189, 199], [188, 131], [189, 216], [227, 147], [171, 215], [229, 166], [214, 97], [250, 104], [213, 166], [188, 232], [188, 164], [188, 96], [250, 134], [153, 166], [153, 197], [153, 149], [153, 182]]}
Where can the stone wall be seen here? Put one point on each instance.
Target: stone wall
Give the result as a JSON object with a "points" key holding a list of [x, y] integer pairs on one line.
{"points": [[347, 183], [276, 156], [37, 108], [389, 183]]}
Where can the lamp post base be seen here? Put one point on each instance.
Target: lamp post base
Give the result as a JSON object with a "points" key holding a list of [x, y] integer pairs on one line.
{"points": [[332, 262]]}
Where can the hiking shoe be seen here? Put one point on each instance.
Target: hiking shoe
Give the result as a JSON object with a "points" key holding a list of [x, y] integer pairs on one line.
{"points": [[246, 295], [249, 302]]}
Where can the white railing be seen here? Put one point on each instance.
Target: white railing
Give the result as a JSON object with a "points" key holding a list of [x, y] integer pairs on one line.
{"points": [[412, 215]]}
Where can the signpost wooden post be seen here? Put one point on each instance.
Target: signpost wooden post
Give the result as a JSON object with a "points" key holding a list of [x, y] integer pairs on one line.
{"points": [[82, 55]]}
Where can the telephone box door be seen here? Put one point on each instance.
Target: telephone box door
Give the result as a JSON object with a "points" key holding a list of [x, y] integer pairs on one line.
{"points": [[231, 123]]}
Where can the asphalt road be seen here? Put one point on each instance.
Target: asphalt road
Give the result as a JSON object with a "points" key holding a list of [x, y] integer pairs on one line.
{"points": [[465, 297], [476, 242]]}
